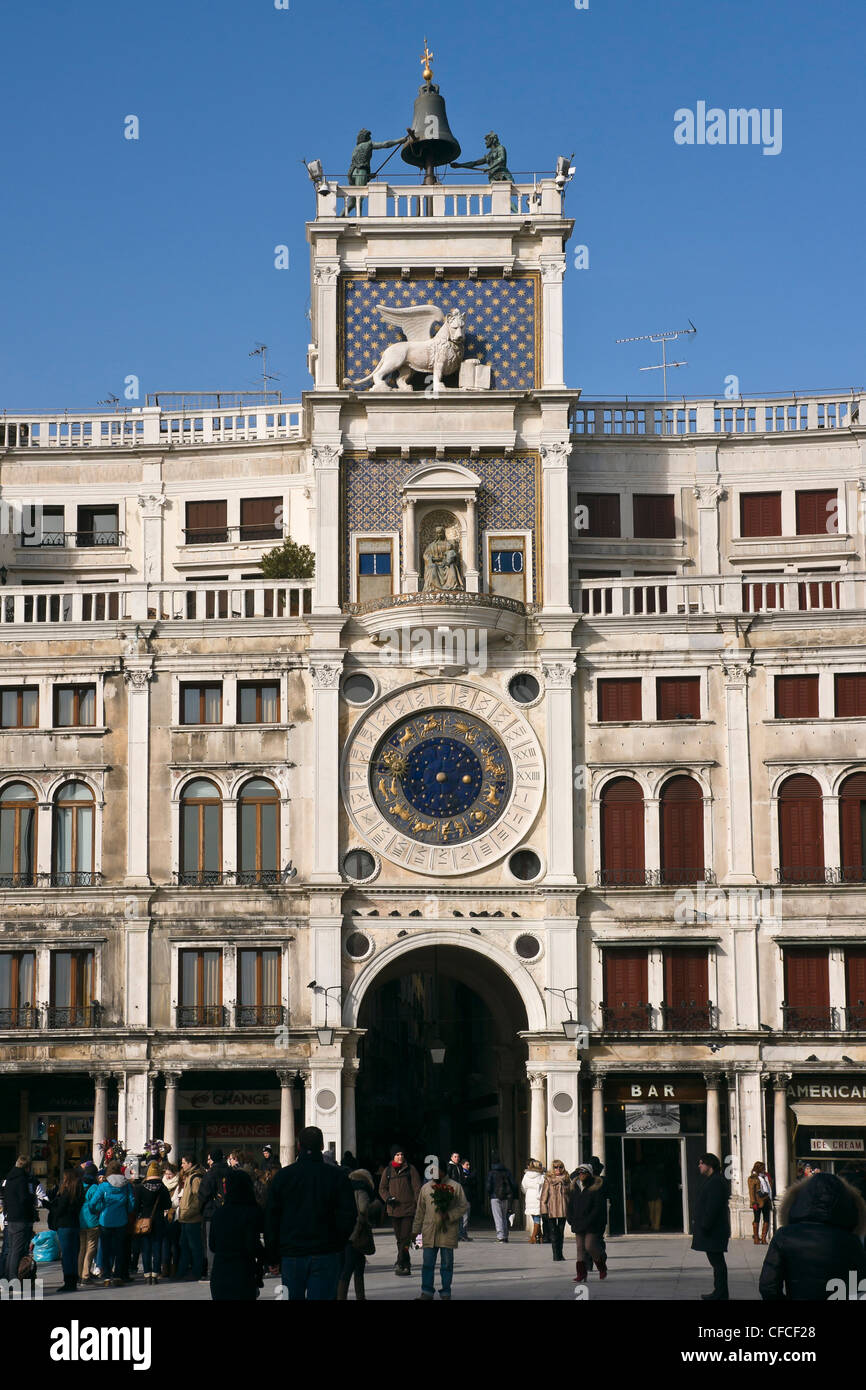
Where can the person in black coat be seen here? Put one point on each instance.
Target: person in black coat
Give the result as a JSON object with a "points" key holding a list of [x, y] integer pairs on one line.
{"points": [[822, 1221], [469, 1185], [153, 1200], [210, 1195], [63, 1217], [587, 1217], [309, 1218], [235, 1241], [19, 1209], [712, 1224]]}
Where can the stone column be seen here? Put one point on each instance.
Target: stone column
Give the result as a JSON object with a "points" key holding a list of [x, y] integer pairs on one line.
{"points": [[326, 466], [558, 703], [473, 578], [325, 676], [552, 272], [121, 1136], [287, 1117], [409, 583], [598, 1117], [708, 495], [555, 530], [714, 1119], [537, 1123], [741, 859], [150, 508], [100, 1115], [137, 674], [781, 1174], [169, 1124], [325, 276], [350, 1136]]}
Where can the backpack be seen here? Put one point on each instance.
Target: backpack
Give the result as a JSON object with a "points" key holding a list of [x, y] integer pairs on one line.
{"points": [[501, 1185]]}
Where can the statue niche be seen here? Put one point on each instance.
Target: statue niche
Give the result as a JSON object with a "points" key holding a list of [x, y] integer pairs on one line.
{"points": [[439, 548]]}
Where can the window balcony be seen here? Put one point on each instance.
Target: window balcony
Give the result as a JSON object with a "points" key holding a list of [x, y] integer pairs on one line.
{"points": [[73, 540], [201, 1016], [626, 1018], [78, 878], [653, 878], [448, 615], [74, 1015], [26, 1016], [689, 1017], [259, 1016], [802, 874], [808, 1018], [254, 532], [852, 1018], [234, 878]]}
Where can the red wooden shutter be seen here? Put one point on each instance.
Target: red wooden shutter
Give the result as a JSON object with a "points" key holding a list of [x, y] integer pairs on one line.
{"points": [[619, 699], [851, 696], [622, 833], [816, 514], [852, 827], [801, 830], [626, 989], [654, 517], [761, 514], [807, 988], [682, 831], [686, 989], [855, 986], [259, 518], [603, 508], [796, 697], [206, 522], [678, 697]]}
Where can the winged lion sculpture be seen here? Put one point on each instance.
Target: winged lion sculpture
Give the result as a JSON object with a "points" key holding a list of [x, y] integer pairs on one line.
{"points": [[440, 355]]}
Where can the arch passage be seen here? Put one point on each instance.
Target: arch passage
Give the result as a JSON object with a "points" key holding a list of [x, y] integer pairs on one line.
{"points": [[476, 1100], [801, 831]]}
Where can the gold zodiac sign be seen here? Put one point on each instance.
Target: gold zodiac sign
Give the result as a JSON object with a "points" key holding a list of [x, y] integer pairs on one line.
{"points": [[432, 722], [399, 811], [492, 798], [460, 726], [394, 762], [407, 736], [478, 816], [423, 825]]}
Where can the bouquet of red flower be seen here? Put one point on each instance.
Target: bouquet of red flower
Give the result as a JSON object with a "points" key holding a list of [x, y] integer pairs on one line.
{"points": [[443, 1199]]}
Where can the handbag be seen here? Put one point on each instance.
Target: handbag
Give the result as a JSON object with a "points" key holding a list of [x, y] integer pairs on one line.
{"points": [[361, 1239], [144, 1224]]}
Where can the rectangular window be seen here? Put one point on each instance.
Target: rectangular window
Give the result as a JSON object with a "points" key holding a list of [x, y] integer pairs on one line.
{"points": [[97, 526], [201, 704], [654, 517], [807, 990], [259, 988], [43, 526], [72, 1003], [206, 523], [74, 706], [374, 569], [796, 697], [19, 707], [817, 512], [258, 702], [619, 701], [598, 514], [686, 1005], [261, 518], [851, 695], [374, 562], [625, 1006], [761, 514], [678, 697], [17, 989], [201, 989], [507, 567]]}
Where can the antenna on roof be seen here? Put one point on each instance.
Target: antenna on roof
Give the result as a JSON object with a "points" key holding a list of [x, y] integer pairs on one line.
{"points": [[261, 350], [664, 339]]}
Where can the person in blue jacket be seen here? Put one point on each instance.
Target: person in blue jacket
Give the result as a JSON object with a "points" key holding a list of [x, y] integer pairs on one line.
{"points": [[112, 1202]]}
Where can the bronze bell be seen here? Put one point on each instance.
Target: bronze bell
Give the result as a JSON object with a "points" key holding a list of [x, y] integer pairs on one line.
{"points": [[431, 143]]}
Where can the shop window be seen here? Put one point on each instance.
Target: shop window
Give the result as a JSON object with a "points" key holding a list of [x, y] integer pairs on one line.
{"points": [[259, 989], [18, 989], [201, 989], [678, 697], [74, 706], [206, 523], [258, 702], [654, 516], [851, 695], [619, 700], [852, 827], [19, 707], [375, 569], [796, 697], [201, 704], [258, 832], [17, 835], [682, 831], [622, 834], [760, 514], [261, 519], [801, 831], [72, 1004], [625, 1007], [855, 988], [74, 840], [806, 1007], [507, 573], [601, 514], [200, 833], [817, 512], [686, 1006]]}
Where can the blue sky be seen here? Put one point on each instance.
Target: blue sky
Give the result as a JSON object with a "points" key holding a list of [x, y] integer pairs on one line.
{"points": [[155, 257]]}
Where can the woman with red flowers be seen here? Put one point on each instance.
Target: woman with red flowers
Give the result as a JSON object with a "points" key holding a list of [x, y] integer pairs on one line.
{"points": [[441, 1204]]}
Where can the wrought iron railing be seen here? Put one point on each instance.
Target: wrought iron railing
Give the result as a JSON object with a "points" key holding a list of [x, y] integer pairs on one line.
{"points": [[73, 1015], [259, 1015], [24, 1016], [221, 535], [689, 1017], [809, 1018], [239, 878], [814, 873], [77, 540], [626, 1018], [852, 1018], [201, 1016], [653, 878], [66, 878]]}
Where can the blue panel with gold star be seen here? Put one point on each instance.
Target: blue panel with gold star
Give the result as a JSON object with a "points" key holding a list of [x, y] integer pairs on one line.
{"points": [[501, 313]]}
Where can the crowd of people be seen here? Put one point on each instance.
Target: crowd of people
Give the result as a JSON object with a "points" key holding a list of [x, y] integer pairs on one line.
{"points": [[311, 1222]]}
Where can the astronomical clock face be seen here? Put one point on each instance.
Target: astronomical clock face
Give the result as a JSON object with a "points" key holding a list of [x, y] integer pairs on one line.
{"points": [[443, 778]]}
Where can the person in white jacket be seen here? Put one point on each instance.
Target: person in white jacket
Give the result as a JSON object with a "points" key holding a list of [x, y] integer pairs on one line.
{"points": [[531, 1185]]}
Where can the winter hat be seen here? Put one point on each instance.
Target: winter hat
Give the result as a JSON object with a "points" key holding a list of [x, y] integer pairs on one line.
{"points": [[397, 1149], [153, 1171], [90, 1170]]}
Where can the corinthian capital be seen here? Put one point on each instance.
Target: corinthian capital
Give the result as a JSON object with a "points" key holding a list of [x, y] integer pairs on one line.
{"points": [[325, 675], [555, 455], [709, 494], [326, 455]]}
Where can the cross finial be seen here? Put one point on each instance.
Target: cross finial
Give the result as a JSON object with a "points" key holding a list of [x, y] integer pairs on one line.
{"points": [[425, 59]]}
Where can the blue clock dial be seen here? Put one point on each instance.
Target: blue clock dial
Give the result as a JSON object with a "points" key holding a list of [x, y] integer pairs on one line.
{"points": [[441, 777]]}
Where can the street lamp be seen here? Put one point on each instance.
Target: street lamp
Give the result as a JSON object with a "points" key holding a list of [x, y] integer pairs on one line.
{"points": [[325, 1034], [437, 1052], [570, 1026]]}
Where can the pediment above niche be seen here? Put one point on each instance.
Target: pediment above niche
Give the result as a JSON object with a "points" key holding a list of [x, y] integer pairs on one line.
{"points": [[441, 479]]}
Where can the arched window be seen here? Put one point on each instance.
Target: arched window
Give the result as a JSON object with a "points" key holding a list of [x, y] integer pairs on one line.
{"points": [[201, 849], [74, 841], [622, 833], [801, 831], [852, 827], [682, 831], [17, 835], [258, 832]]}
